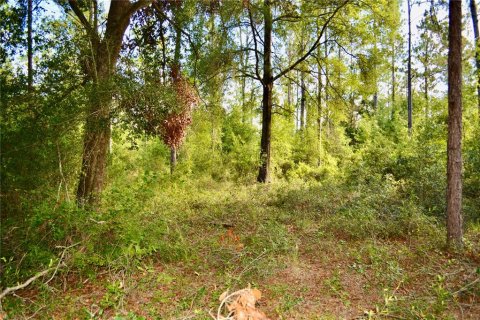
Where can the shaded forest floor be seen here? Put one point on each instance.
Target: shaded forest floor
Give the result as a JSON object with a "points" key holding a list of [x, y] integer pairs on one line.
{"points": [[315, 252]]}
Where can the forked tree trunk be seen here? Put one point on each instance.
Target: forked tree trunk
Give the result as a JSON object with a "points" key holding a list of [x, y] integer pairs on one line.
{"points": [[97, 128], [264, 170], [269, 79], [454, 143]]}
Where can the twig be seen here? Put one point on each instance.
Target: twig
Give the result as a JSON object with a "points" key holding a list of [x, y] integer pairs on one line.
{"points": [[250, 264], [466, 286], [98, 222], [35, 313]]}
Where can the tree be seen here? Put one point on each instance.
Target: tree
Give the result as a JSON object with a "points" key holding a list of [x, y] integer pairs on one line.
{"points": [[30, 45], [431, 52], [268, 78], [409, 69], [100, 69], [474, 13], [454, 143]]}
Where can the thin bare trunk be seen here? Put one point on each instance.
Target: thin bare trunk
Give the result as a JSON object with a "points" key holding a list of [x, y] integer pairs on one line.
{"points": [[474, 13], [30, 47], [409, 70], [393, 74], [264, 170], [303, 99], [173, 159], [454, 143], [319, 110]]}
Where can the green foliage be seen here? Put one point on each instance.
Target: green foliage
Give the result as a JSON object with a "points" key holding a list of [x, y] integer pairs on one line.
{"points": [[354, 196]]}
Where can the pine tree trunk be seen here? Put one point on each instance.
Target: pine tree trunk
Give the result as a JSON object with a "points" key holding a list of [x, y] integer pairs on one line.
{"points": [[454, 143], [319, 112], [474, 13], [264, 170], [30, 47], [303, 99], [393, 74], [409, 70]]}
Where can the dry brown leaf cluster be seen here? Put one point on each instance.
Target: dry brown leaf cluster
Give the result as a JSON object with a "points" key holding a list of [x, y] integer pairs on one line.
{"points": [[240, 305], [174, 127]]}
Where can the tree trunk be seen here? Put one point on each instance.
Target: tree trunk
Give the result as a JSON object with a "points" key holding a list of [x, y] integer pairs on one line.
{"points": [[264, 170], [176, 70], [97, 128], [303, 99], [474, 13], [173, 159], [426, 74], [454, 143], [95, 148], [30, 47], [319, 111], [409, 72], [393, 74]]}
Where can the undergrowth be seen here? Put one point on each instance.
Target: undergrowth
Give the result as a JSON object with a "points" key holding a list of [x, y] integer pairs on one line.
{"points": [[178, 244]]}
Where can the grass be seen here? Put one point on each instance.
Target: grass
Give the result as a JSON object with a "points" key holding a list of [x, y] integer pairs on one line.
{"points": [[315, 252]]}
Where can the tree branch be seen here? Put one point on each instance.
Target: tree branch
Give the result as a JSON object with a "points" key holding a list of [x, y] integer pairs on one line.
{"points": [[83, 20], [159, 11], [137, 5], [248, 75], [257, 72], [25, 284], [287, 17], [315, 44]]}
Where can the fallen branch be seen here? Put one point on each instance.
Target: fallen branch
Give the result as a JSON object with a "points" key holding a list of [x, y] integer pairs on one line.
{"points": [[25, 284], [464, 288], [9, 290]]}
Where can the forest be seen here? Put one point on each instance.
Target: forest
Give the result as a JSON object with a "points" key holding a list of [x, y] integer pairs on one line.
{"points": [[239, 159]]}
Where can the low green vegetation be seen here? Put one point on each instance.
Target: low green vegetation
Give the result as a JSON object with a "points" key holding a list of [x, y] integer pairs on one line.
{"points": [[167, 247]]}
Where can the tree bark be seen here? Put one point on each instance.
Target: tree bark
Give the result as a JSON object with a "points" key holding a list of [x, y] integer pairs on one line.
{"points": [[30, 46], [173, 159], [409, 70], [474, 13], [393, 74], [269, 79], [319, 109], [303, 99], [454, 143], [264, 170], [105, 53]]}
